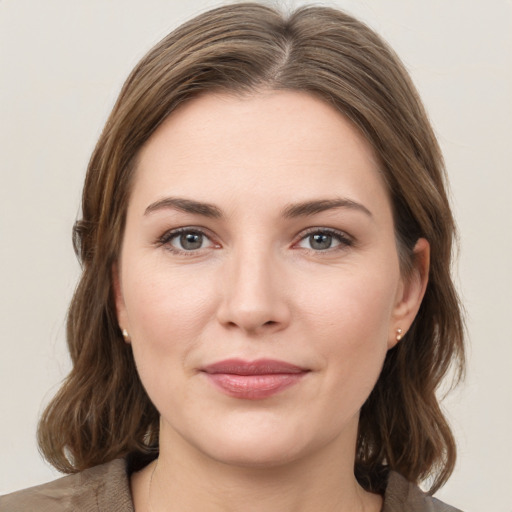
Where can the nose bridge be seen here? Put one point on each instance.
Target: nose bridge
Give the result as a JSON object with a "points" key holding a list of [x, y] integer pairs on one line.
{"points": [[253, 297]]}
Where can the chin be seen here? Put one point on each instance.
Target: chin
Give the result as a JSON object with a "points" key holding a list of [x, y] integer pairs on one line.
{"points": [[256, 454], [263, 445]]}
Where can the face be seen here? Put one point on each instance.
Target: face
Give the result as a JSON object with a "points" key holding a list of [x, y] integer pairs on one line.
{"points": [[259, 278]]}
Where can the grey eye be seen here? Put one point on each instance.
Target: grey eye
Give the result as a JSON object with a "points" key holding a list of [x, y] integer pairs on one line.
{"points": [[324, 240], [320, 241], [189, 241]]}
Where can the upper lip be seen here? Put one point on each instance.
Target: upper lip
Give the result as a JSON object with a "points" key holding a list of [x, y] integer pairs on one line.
{"points": [[258, 367]]}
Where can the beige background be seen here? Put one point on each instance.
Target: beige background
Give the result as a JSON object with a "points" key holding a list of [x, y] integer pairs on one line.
{"points": [[62, 64]]}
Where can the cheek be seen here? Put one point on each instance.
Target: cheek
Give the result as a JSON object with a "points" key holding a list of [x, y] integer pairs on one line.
{"points": [[159, 297], [167, 314], [354, 304], [167, 310], [349, 319]]}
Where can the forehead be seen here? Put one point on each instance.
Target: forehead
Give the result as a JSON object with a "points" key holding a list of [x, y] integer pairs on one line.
{"points": [[273, 144], [297, 121]]}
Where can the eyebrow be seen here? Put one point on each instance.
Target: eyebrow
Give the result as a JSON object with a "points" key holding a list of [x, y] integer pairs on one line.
{"points": [[312, 207], [185, 205], [291, 211]]}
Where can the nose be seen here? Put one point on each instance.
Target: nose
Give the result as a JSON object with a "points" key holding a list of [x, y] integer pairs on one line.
{"points": [[254, 297]]}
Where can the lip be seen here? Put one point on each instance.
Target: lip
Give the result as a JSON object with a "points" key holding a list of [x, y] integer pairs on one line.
{"points": [[253, 380]]}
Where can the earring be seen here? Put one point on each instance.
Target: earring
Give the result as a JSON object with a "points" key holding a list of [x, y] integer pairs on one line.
{"points": [[398, 334], [126, 336]]}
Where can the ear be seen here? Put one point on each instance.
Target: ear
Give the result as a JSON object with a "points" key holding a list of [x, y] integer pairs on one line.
{"points": [[410, 292], [121, 313]]}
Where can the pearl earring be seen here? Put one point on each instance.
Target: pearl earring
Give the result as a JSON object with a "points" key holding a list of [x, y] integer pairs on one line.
{"points": [[398, 334], [126, 336]]}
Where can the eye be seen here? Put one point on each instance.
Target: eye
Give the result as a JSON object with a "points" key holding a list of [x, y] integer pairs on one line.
{"points": [[186, 240], [190, 241], [324, 239]]}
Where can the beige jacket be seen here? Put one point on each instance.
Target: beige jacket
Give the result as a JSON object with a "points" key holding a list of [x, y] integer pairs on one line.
{"points": [[106, 488]]}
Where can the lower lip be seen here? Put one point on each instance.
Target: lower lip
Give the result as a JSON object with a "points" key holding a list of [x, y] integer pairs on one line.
{"points": [[254, 387]]}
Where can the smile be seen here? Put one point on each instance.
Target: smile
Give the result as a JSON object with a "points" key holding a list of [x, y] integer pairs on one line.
{"points": [[253, 380]]}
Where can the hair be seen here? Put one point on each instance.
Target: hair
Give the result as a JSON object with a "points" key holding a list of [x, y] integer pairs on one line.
{"points": [[102, 411]]}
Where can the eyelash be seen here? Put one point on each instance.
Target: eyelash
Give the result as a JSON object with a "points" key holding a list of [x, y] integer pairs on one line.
{"points": [[341, 237], [166, 239]]}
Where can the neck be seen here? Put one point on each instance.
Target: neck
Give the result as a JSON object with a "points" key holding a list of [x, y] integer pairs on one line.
{"points": [[186, 479]]}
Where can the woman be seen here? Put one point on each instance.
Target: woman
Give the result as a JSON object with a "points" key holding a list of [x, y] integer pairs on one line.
{"points": [[266, 309]]}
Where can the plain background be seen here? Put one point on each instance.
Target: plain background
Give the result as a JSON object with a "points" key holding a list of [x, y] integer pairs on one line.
{"points": [[62, 64]]}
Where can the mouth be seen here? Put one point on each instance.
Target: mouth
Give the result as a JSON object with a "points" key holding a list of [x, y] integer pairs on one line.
{"points": [[253, 380]]}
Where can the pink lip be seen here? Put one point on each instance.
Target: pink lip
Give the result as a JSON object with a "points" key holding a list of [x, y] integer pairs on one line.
{"points": [[253, 380]]}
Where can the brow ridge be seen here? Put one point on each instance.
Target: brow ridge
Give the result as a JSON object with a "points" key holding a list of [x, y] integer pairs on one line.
{"points": [[185, 205], [302, 209], [307, 208]]}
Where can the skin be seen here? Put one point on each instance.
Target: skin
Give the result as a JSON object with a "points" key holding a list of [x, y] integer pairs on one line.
{"points": [[256, 287]]}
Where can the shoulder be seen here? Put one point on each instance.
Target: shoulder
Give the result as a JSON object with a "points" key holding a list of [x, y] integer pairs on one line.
{"points": [[403, 496], [104, 487]]}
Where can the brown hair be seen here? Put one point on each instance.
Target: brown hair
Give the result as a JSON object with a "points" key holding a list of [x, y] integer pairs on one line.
{"points": [[102, 411]]}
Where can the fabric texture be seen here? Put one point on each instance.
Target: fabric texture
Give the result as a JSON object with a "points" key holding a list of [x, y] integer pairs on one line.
{"points": [[106, 488]]}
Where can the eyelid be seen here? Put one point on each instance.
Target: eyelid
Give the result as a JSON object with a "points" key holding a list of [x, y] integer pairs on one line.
{"points": [[165, 239], [345, 240]]}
